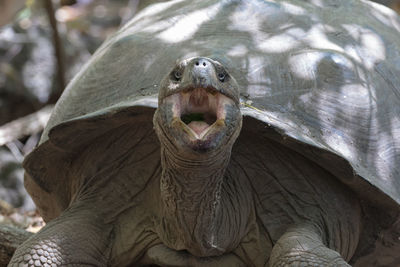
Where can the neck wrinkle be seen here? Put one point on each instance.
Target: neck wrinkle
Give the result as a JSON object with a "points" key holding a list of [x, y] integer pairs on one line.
{"points": [[186, 183], [190, 193]]}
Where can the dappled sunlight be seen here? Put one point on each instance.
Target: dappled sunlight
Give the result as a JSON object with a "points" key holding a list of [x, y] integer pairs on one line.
{"points": [[304, 65], [147, 15], [185, 27], [318, 3], [293, 9], [371, 48], [241, 21], [359, 93], [318, 39], [282, 42], [280, 36], [238, 51], [385, 15]]}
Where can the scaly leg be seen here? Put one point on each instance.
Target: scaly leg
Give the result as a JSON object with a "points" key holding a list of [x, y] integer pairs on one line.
{"points": [[302, 246], [76, 238]]}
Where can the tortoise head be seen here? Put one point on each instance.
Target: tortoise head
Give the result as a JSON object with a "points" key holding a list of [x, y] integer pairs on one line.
{"points": [[197, 121], [198, 108]]}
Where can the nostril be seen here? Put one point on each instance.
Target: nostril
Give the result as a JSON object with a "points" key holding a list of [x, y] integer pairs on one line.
{"points": [[200, 63]]}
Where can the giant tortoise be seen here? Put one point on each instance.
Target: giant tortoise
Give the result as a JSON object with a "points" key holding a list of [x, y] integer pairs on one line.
{"points": [[226, 133]]}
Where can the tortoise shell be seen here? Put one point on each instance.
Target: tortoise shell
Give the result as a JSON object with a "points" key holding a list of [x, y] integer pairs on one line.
{"points": [[323, 78]]}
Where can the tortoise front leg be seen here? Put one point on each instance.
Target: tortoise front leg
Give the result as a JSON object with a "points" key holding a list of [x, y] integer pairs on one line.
{"points": [[303, 246], [76, 238]]}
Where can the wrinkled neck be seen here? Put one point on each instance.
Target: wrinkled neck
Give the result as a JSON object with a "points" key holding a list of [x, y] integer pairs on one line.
{"points": [[191, 200], [193, 171], [186, 184]]}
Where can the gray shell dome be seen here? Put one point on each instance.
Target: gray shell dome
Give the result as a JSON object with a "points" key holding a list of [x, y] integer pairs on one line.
{"points": [[323, 74]]}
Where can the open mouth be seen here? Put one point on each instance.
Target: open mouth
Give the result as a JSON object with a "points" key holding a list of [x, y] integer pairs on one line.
{"points": [[199, 109]]}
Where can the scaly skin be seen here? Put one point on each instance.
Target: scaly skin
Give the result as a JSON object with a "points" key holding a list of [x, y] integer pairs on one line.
{"points": [[57, 244]]}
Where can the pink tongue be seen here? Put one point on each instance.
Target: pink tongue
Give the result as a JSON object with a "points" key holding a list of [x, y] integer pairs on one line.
{"points": [[198, 126]]}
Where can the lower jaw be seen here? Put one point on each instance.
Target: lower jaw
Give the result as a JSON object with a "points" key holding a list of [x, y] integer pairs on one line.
{"points": [[187, 140]]}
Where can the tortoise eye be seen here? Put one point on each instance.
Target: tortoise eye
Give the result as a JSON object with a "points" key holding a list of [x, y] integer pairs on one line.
{"points": [[177, 75], [221, 77]]}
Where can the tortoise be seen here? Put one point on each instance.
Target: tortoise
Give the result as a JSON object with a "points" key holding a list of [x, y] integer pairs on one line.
{"points": [[226, 133]]}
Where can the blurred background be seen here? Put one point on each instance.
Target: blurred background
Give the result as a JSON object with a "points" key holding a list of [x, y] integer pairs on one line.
{"points": [[43, 44]]}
